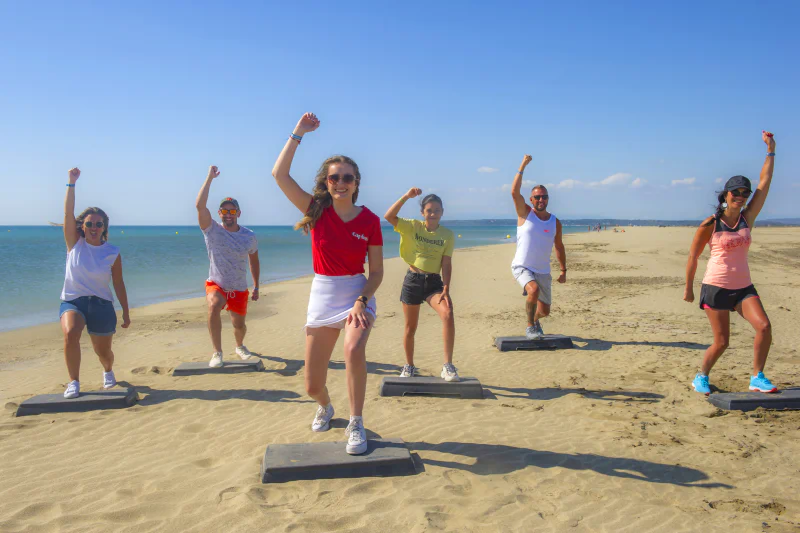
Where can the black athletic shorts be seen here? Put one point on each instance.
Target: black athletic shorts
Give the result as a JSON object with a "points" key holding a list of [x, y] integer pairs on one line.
{"points": [[715, 297], [418, 287]]}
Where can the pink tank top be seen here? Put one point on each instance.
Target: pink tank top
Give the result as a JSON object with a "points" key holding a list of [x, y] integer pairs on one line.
{"points": [[727, 267]]}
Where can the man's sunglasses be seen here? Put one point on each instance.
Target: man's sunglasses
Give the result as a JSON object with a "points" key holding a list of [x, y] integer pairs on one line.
{"points": [[541, 197], [347, 178], [737, 194], [97, 225], [228, 211]]}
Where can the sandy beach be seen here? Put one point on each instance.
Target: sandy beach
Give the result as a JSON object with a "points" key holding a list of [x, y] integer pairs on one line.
{"points": [[608, 436]]}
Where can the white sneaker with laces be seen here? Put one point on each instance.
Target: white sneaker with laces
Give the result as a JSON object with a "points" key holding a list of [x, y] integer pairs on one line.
{"points": [[450, 373], [322, 420], [243, 352], [356, 437], [216, 360], [73, 390], [109, 380]]}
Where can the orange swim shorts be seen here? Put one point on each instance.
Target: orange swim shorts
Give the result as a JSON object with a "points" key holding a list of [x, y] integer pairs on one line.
{"points": [[236, 300]]}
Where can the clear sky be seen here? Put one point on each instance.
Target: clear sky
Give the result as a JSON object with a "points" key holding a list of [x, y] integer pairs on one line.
{"points": [[631, 109]]}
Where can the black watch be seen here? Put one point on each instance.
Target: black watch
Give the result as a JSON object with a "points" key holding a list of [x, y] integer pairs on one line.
{"points": [[363, 300]]}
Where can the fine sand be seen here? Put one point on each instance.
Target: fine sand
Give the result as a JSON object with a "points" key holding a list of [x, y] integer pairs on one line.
{"points": [[608, 436]]}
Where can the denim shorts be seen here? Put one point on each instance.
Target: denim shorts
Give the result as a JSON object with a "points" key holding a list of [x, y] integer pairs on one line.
{"points": [[417, 288], [99, 314]]}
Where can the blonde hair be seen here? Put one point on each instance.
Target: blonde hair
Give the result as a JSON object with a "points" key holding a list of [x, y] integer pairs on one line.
{"points": [[321, 197], [92, 211]]}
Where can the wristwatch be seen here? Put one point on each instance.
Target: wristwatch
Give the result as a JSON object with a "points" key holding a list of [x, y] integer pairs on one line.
{"points": [[363, 300]]}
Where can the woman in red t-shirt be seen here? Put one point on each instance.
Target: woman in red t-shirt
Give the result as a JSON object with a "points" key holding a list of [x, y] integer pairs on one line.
{"points": [[342, 235]]}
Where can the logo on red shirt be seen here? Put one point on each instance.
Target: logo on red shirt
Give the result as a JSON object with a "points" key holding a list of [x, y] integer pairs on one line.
{"points": [[359, 236]]}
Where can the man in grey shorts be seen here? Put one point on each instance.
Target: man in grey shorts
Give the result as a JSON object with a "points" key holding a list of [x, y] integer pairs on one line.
{"points": [[537, 233]]}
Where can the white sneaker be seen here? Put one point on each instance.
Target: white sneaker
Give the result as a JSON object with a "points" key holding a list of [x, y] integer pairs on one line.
{"points": [[73, 390], [409, 371], [450, 373], [356, 437], [322, 420], [243, 352], [216, 360], [109, 380]]}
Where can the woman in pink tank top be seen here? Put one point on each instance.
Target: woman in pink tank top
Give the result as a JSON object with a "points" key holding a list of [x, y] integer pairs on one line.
{"points": [[726, 285]]}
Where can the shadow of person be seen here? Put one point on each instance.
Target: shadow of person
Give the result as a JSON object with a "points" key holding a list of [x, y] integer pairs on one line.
{"points": [[603, 345], [488, 459], [291, 368], [372, 367], [552, 393], [157, 396]]}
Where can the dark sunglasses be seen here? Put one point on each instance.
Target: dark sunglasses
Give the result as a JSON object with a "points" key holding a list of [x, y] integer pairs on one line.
{"points": [[227, 211], [97, 225], [541, 196], [737, 194], [347, 178]]}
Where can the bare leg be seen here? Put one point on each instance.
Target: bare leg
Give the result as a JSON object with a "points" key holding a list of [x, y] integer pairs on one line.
{"points": [[102, 347], [411, 313], [542, 310], [448, 324], [319, 347], [532, 288], [215, 304], [355, 358], [721, 326], [753, 311], [239, 328], [72, 325]]}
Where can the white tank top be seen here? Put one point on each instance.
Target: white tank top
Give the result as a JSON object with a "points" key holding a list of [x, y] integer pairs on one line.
{"points": [[89, 271], [534, 243]]}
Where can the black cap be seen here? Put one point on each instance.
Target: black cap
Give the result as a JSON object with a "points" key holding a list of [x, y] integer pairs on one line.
{"points": [[738, 182]]}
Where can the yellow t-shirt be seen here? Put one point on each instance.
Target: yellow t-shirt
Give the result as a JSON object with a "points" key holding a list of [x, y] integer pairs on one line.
{"points": [[422, 248]]}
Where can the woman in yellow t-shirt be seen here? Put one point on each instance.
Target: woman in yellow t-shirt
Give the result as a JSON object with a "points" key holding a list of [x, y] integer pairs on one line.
{"points": [[427, 247]]}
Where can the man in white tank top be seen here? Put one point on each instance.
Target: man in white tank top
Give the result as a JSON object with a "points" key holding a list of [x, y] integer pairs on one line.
{"points": [[537, 233]]}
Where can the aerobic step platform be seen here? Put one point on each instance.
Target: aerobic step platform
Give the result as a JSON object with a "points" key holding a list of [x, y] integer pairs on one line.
{"points": [[228, 367], [467, 388], [328, 460], [546, 342], [116, 398], [750, 401]]}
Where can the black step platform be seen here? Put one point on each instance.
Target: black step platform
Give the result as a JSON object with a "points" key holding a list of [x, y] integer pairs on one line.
{"points": [[467, 388], [228, 367], [750, 401], [547, 342], [116, 398], [328, 460]]}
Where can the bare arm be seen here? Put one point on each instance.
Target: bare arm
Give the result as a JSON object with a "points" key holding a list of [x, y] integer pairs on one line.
{"points": [[70, 230], [255, 271], [391, 214], [764, 181], [519, 201], [447, 276], [701, 237], [300, 198], [203, 214], [358, 313], [561, 252], [119, 289]]}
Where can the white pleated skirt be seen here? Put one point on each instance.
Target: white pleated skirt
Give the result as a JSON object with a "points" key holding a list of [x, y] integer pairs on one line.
{"points": [[332, 298]]}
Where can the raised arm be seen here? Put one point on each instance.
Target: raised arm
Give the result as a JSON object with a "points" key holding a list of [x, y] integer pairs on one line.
{"points": [[561, 252], [203, 214], [701, 237], [764, 181], [300, 198], [391, 214], [519, 201], [70, 230], [119, 288]]}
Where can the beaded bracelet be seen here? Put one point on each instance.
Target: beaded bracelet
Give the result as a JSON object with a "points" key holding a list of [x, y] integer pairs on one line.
{"points": [[70, 184], [298, 138]]}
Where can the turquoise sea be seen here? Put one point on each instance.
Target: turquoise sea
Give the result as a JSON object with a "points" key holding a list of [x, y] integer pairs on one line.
{"points": [[162, 263]]}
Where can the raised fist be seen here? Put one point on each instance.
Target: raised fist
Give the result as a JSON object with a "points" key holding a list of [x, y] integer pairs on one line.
{"points": [[413, 192], [767, 137], [525, 160], [213, 172], [308, 123], [74, 174]]}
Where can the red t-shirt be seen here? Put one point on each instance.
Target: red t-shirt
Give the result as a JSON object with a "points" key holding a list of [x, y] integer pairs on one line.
{"points": [[340, 248]]}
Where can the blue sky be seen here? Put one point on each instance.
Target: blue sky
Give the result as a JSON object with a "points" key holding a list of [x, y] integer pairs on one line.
{"points": [[631, 109]]}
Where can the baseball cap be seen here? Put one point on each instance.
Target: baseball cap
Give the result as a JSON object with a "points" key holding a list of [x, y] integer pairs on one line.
{"points": [[738, 182], [233, 201]]}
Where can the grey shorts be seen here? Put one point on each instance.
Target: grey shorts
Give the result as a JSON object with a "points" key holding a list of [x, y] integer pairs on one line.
{"points": [[544, 281]]}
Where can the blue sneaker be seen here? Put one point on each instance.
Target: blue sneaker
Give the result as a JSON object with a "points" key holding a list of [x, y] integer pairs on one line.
{"points": [[700, 384], [760, 383]]}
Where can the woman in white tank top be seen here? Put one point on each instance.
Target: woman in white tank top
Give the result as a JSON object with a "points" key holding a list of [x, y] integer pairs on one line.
{"points": [[86, 300]]}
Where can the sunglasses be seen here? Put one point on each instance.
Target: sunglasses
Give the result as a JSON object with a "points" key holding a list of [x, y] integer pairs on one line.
{"points": [[97, 225], [228, 211], [347, 178], [737, 194], [541, 196]]}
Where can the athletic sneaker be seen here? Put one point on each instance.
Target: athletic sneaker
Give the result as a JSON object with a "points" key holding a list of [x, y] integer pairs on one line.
{"points": [[532, 333], [356, 436], [73, 390], [700, 384], [450, 373], [322, 420], [216, 360], [409, 371], [109, 380], [243, 352], [760, 383], [538, 326]]}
